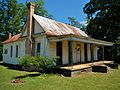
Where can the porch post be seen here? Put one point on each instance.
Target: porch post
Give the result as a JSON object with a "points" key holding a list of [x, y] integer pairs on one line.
{"points": [[92, 56], [103, 53], [70, 54]]}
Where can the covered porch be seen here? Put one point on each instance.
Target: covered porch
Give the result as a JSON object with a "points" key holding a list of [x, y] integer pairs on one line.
{"points": [[74, 50]]}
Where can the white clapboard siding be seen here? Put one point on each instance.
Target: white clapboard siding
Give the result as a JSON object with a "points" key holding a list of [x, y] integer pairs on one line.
{"points": [[37, 28], [65, 52], [21, 52], [52, 49]]}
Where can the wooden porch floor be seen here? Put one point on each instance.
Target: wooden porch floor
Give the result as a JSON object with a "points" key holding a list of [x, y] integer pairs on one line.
{"points": [[87, 65]]}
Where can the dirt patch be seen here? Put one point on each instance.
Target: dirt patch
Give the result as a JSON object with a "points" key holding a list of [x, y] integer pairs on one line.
{"points": [[17, 81]]}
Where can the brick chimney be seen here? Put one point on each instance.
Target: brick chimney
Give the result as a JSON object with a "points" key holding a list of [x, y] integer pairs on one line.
{"points": [[30, 28]]}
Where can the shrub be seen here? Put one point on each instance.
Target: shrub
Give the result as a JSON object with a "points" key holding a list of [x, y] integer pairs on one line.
{"points": [[41, 63], [46, 64], [27, 62], [1, 50]]}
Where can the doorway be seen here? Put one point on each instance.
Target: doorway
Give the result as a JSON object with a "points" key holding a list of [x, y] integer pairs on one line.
{"points": [[59, 52]]}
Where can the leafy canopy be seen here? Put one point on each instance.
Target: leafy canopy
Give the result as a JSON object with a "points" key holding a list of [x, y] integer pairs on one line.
{"points": [[104, 18], [13, 15], [75, 23]]}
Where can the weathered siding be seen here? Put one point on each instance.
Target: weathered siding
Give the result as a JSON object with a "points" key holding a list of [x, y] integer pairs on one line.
{"points": [[44, 47], [82, 53], [74, 52], [78, 56], [37, 28], [21, 52], [25, 32], [88, 52], [52, 49], [65, 52], [95, 53]]}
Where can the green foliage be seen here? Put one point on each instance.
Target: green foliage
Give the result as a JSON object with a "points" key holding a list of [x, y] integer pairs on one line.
{"points": [[27, 61], [1, 50], [45, 63], [104, 18], [37, 81], [40, 9], [13, 15], [117, 41], [75, 23], [38, 62]]}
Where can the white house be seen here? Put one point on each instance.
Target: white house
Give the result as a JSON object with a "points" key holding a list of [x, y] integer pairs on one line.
{"points": [[46, 37]]}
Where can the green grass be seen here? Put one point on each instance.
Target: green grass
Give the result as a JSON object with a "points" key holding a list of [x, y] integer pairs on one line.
{"points": [[86, 81]]}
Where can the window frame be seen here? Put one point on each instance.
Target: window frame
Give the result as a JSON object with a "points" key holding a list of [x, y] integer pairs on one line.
{"points": [[11, 51], [17, 48], [38, 48], [5, 51]]}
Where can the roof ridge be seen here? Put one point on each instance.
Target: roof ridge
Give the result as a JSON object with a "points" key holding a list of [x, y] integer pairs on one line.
{"points": [[12, 39], [57, 21], [53, 27]]}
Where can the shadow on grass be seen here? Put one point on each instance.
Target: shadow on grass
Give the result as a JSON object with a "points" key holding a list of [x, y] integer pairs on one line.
{"points": [[10, 66], [38, 73], [28, 75]]}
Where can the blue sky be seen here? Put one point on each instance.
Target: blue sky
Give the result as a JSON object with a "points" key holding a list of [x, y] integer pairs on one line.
{"points": [[61, 9]]}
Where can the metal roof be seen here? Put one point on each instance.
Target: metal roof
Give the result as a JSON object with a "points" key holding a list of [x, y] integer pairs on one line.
{"points": [[52, 27], [12, 39]]}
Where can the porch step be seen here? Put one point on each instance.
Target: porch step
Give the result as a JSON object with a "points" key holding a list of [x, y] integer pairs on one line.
{"points": [[112, 65], [102, 69], [72, 73]]}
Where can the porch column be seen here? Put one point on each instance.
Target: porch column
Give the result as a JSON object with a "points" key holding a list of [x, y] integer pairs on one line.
{"points": [[70, 54], [88, 52], [103, 52], [92, 52], [82, 53], [95, 53]]}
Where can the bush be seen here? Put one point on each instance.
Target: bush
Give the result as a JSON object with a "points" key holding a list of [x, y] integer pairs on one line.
{"points": [[46, 63], [1, 50], [41, 63], [27, 63]]}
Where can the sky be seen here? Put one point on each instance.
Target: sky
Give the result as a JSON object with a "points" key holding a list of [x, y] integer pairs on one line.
{"points": [[61, 9]]}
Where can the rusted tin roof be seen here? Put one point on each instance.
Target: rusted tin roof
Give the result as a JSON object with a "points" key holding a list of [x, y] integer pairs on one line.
{"points": [[12, 39], [52, 27]]}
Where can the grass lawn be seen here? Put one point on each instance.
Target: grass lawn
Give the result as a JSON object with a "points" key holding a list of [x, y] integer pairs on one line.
{"points": [[36, 81]]}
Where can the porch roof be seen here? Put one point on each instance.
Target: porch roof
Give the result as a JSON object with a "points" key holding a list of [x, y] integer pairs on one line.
{"points": [[80, 39]]}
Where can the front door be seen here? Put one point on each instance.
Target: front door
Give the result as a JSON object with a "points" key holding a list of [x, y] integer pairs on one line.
{"points": [[78, 54], [59, 52]]}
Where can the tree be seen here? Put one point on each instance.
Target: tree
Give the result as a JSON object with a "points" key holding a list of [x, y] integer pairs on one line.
{"points": [[104, 18], [13, 15], [75, 23]]}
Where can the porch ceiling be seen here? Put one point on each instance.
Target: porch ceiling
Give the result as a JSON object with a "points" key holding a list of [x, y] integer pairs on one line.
{"points": [[80, 39]]}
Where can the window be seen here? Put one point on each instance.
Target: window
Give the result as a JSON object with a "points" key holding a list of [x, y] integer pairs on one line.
{"points": [[11, 51], [16, 50], [5, 51], [38, 48]]}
